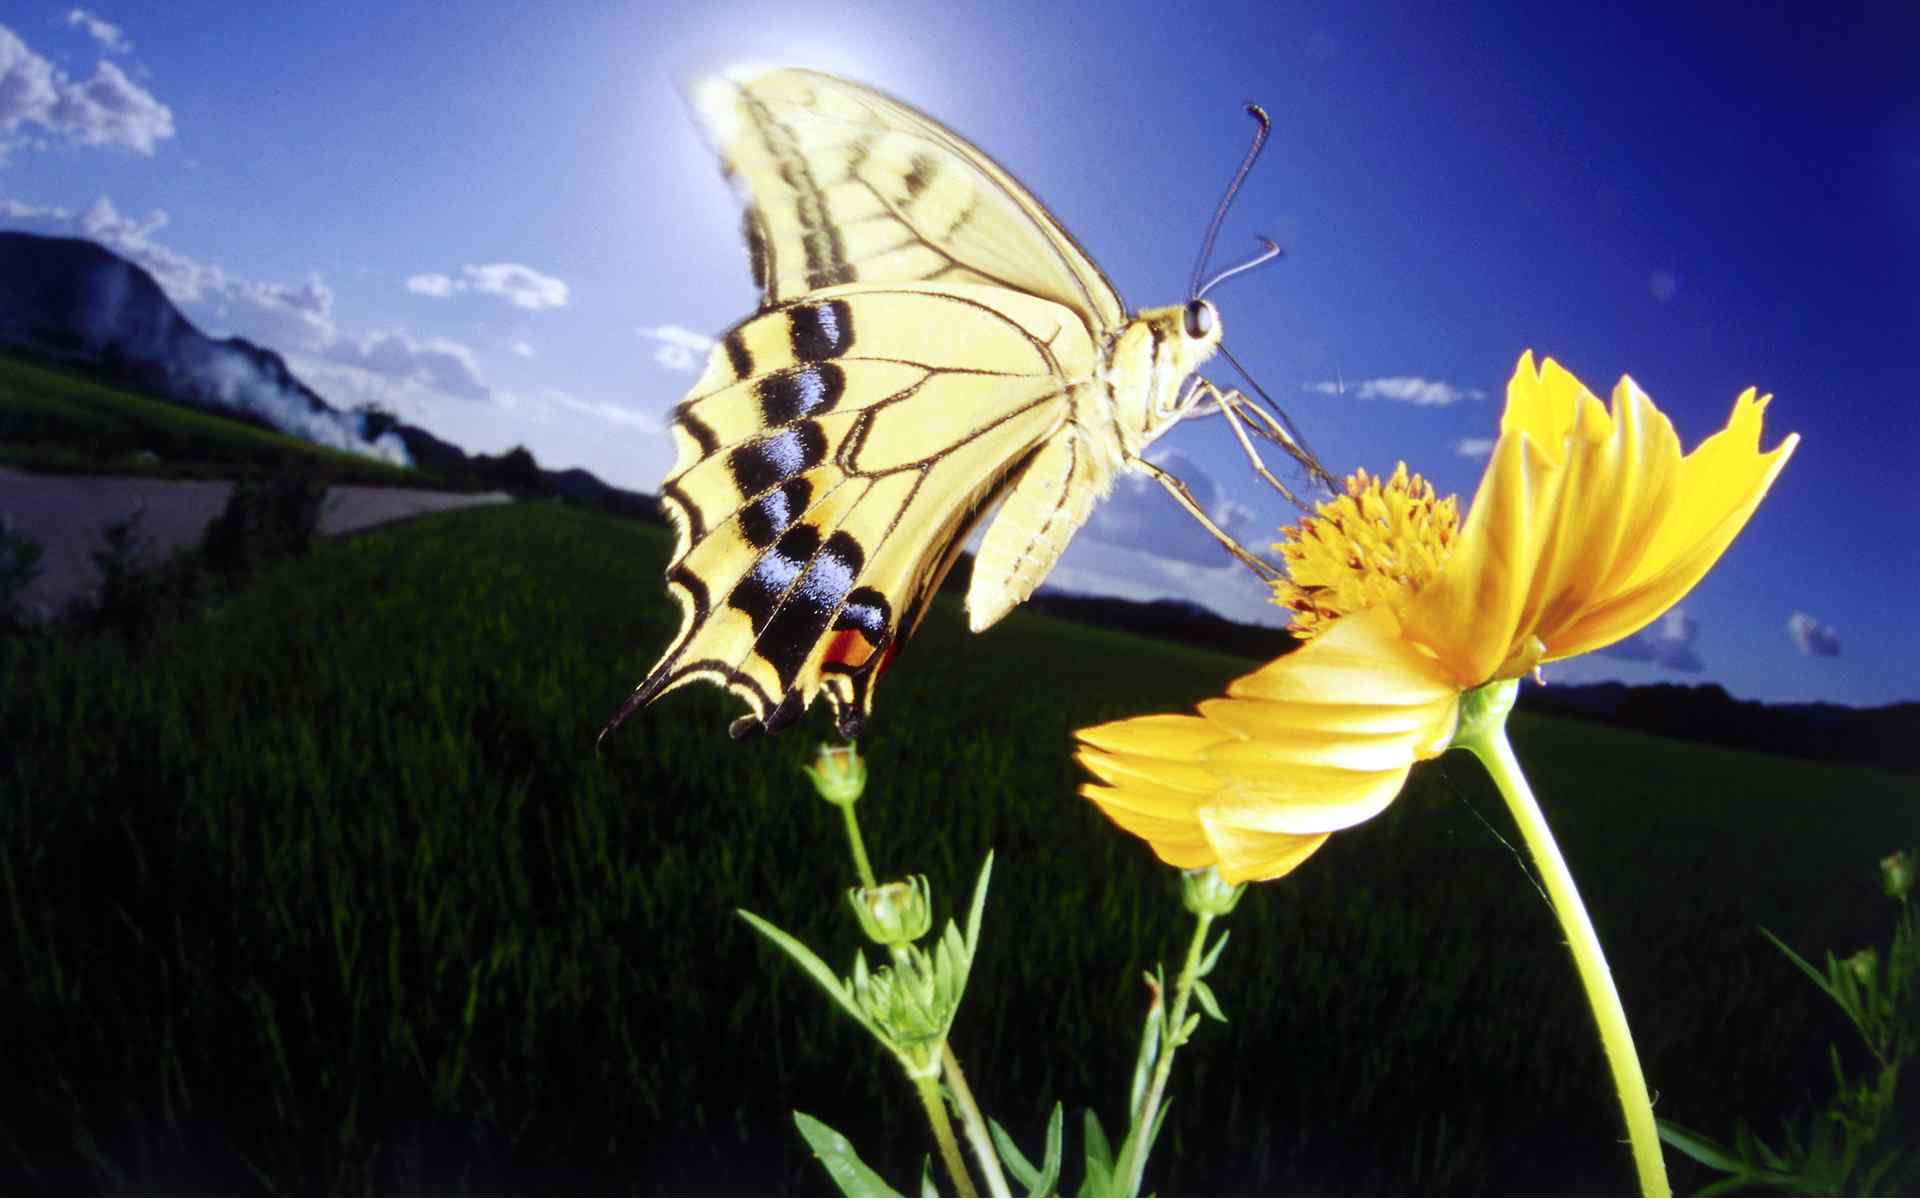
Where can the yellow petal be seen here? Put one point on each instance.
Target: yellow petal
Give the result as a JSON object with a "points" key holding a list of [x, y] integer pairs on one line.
{"points": [[1588, 524], [1619, 477], [1180, 843], [1472, 617], [1166, 735], [1719, 486], [1360, 660], [1270, 795], [1243, 857], [1318, 740]]}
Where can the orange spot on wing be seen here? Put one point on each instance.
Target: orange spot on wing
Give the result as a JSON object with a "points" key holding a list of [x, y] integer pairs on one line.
{"points": [[851, 649]]}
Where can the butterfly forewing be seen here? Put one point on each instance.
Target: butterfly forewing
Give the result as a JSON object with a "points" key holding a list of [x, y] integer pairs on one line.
{"points": [[846, 185]]}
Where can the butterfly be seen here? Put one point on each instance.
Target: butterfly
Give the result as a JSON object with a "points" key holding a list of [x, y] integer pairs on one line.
{"points": [[930, 344]]}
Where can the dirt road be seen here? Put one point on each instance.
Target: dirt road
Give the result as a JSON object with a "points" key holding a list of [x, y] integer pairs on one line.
{"points": [[67, 514]]}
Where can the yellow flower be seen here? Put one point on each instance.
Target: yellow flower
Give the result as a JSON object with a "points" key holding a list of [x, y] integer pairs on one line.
{"points": [[1588, 524]]}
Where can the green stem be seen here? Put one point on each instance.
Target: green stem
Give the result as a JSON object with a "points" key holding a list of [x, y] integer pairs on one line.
{"points": [[860, 862], [943, 1133], [1492, 749], [974, 1124], [1134, 1167]]}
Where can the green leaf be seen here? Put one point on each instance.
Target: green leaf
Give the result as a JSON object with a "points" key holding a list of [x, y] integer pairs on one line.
{"points": [[979, 906], [1050, 1165], [811, 964], [1213, 955], [1099, 1180], [1149, 1056], [1024, 1171], [1807, 968], [929, 1190], [1208, 1004], [1699, 1147], [835, 1153]]}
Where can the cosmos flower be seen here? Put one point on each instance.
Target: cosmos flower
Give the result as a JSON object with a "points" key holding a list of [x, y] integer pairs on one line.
{"points": [[1588, 524]]}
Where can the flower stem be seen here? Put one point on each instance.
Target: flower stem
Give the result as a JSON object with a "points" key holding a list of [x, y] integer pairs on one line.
{"points": [[973, 1123], [1130, 1172], [943, 1133], [1496, 754], [860, 862]]}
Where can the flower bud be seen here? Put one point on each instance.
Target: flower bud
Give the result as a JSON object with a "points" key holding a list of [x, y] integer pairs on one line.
{"points": [[894, 913], [1206, 894], [910, 1004], [1896, 874], [838, 774], [1863, 965]]}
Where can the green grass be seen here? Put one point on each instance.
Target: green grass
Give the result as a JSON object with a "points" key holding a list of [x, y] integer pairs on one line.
{"points": [[327, 889], [54, 419]]}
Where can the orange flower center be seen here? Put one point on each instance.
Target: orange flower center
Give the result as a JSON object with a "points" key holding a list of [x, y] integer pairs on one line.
{"points": [[1380, 543]]}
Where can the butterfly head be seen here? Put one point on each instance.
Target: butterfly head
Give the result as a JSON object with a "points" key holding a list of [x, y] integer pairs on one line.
{"points": [[1149, 365]]}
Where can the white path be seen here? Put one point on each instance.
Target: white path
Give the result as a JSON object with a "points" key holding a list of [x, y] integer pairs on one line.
{"points": [[68, 513]]}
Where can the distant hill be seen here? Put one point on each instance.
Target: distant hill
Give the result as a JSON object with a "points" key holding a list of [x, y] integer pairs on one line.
{"points": [[1172, 620], [1887, 737], [73, 302]]}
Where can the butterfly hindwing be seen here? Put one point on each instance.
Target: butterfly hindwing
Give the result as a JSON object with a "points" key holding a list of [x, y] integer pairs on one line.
{"points": [[831, 459]]}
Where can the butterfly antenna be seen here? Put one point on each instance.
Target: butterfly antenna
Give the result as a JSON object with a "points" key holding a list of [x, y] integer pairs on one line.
{"points": [[1267, 253], [1220, 214], [1299, 449]]}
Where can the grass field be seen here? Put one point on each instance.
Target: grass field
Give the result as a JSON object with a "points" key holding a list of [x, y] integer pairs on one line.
{"points": [[327, 889], [53, 419]]}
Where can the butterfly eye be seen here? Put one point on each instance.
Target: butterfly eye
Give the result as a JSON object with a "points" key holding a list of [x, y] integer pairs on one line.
{"points": [[1200, 318]]}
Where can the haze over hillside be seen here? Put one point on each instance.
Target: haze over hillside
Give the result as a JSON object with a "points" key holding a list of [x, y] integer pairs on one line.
{"points": [[70, 300]]}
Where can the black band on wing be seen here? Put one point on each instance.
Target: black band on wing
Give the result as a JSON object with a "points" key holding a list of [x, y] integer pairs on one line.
{"points": [[820, 330], [789, 395], [776, 458]]}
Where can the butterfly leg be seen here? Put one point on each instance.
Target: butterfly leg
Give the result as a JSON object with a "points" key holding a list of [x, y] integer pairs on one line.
{"points": [[1240, 412], [1178, 490]]}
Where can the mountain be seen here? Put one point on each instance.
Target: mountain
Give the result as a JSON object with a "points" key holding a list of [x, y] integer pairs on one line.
{"points": [[75, 302]]}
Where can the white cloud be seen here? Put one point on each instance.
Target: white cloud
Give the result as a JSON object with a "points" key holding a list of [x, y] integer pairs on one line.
{"points": [[523, 286], [436, 364], [108, 35], [1404, 389], [106, 109], [520, 285], [430, 285], [1668, 642], [613, 414], [1473, 447], [1813, 638], [20, 210], [522, 348], [677, 349]]}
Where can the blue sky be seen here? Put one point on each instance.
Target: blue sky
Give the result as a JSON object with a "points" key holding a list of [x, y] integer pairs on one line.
{"points": [[505, 227]]}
